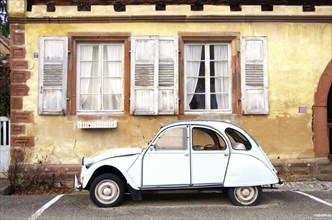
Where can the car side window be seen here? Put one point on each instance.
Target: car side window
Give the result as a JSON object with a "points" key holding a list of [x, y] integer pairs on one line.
{"points": [[172, 139], [238, 140], [206, 139]]}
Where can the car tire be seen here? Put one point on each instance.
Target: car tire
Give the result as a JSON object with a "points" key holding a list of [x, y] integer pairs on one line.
{"points": [[107, 190], [246, 195]]}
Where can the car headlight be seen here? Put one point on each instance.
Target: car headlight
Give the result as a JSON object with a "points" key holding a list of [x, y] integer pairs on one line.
{"points": [[87, 161]]}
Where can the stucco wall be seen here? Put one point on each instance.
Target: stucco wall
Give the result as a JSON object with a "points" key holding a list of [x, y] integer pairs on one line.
{"points": [[297, 55]]}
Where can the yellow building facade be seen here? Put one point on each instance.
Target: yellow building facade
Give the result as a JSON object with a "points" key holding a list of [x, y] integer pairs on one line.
{"points": [[275, 102]]}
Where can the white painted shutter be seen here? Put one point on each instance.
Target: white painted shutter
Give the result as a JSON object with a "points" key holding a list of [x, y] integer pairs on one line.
{"points": [[168, 76], [53, 56], [154, 75], [254, 75]]}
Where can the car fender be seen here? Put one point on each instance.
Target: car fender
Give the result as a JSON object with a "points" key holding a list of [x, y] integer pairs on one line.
{"points": [[88, 172], [248, 170]]}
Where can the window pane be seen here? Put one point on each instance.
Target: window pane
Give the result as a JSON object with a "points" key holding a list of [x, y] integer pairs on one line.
{"points": [[220, 101], [172, 139], [112, 69], [206, 139], [89, 102], [112, 52], [197, 102], [218, 52], [112, 86], [112, 102], [237, 139], [89, 86]]}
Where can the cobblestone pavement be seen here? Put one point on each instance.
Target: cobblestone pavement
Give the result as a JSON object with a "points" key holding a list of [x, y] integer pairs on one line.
{"points": [[305, 186]]}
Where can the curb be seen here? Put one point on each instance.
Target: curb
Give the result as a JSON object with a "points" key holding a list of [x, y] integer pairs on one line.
{"points": [[4, 186]]}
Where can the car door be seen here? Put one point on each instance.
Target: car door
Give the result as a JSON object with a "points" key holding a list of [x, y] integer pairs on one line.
{"points": [[167, 162], [209, 156]]}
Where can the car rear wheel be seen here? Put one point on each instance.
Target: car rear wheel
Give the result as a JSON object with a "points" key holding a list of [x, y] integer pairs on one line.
{"points": [[245, 196], [107, 190]]}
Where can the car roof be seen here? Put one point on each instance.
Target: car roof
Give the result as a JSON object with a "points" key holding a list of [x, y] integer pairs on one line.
{"points": [[213, 123], [217, 124]]}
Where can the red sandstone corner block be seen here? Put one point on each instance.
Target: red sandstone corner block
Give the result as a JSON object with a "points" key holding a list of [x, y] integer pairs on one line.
{"points": [[18, 39], [17, 153], [18, 76], [16, 103], [17, 52], [16, 129], [16, 27], [21, 117], [19, 90], [19, 64], [23, 141]]}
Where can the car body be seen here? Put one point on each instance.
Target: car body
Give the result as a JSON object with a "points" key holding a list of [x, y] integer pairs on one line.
{"points": [[183, 155]]}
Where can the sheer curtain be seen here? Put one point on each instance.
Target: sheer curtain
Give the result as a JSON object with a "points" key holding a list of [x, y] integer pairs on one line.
{"points": [[222, 76], [193, 61], [87, 82], [114, 84]]}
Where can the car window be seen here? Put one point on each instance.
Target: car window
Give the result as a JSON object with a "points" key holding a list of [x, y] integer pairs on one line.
{"points": [[206, 139], [172, 139], [238, 140]]}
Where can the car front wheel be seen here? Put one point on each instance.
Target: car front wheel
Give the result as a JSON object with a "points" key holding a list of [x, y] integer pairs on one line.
{"points": [[107, 190], [245, 196]]}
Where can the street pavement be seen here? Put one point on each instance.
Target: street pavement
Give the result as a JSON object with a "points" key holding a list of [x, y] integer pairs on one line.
{"points": [[292, 200]]}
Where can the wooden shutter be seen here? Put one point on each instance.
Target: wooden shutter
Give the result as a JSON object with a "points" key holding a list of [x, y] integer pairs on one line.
{"points": [[53, 55], [144, 61], [154, 75], [168, 76], [254, 75]]}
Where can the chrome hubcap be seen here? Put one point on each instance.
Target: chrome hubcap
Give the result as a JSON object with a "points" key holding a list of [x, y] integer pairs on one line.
{"points": [[246, 195], [107, 191]]}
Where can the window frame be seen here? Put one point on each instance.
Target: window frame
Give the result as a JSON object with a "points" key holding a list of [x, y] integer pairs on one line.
{"points": [[100, 65], [207, 91], [76, 38], [233, 38]]}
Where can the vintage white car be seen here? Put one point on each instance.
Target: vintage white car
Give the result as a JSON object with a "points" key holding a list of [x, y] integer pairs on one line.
{"points": [[183, 155]]}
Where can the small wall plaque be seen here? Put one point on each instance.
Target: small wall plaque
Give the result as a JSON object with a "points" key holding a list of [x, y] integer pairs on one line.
{"points": [[302, 109]]}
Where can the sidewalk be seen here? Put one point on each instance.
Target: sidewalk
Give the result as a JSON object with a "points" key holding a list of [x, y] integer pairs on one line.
{"points": [[305, 186], [4, 184]]}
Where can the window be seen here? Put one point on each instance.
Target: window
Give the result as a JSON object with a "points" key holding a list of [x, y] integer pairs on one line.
{"points": [[172, 139], [154, 72], [238, 140], [206, 139], [254, 75], [207, 77], [100, 73]]}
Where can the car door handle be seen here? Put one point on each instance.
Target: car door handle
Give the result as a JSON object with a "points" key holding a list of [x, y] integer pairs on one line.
{"points": [[186, 155], [226, 155]]}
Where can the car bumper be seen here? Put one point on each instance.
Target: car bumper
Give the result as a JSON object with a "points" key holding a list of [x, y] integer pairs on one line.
{"points": [[77, 184], [280, 181]]}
